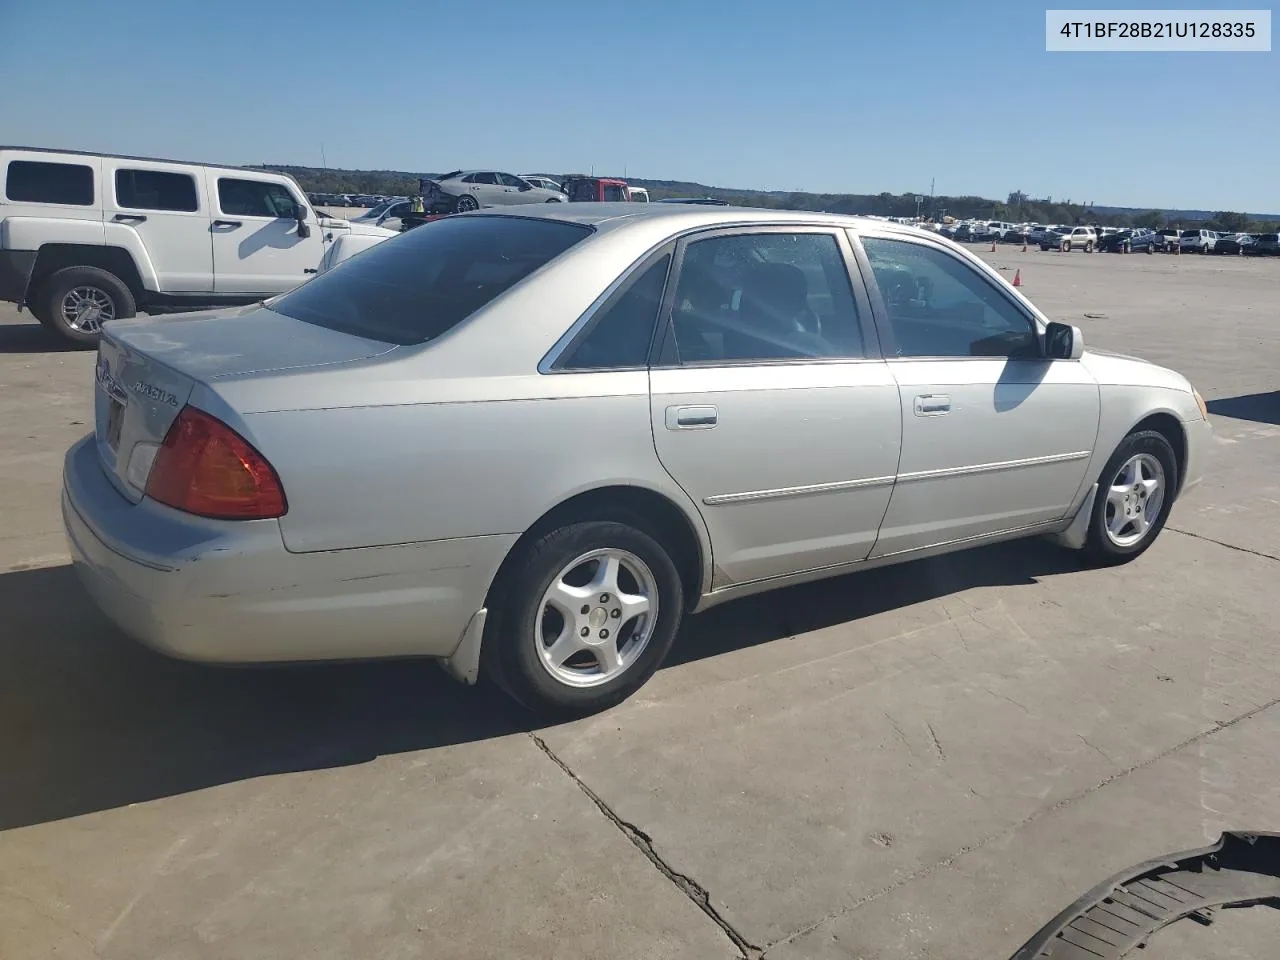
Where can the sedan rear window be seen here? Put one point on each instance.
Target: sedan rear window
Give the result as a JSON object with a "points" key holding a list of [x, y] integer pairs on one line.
{"points": [[417, 286]]}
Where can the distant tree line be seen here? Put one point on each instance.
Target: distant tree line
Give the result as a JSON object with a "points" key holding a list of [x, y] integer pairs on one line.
{"points": [[1016, 207]]}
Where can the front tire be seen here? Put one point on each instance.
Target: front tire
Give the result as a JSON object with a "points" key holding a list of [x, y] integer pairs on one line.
{"points": [[76, 301], [465, 204], [1135, 493], [585, 618]]}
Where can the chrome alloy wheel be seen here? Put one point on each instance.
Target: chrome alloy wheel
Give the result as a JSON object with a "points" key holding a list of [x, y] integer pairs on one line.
{"points": [[597, 617], [87, 308], [1134, 499]]}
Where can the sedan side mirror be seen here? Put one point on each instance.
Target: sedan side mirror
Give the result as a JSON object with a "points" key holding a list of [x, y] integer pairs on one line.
{"points": [[1063, 342]]}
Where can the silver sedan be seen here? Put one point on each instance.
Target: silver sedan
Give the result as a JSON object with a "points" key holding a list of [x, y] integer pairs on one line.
{"points": [[530, 444], [465, 190]]}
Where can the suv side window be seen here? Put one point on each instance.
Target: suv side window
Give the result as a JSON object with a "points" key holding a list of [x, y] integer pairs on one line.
{"points": [[255, 198], [39, 182], [155, 190], [622, 329], [940, 306], [765, 296]]}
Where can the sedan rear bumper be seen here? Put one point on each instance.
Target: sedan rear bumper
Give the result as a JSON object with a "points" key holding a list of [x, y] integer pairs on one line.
{"points": [[229, 591]]}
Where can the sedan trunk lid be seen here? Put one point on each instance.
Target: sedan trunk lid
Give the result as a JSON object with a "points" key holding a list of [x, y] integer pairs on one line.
{"points": [[147, 369]]}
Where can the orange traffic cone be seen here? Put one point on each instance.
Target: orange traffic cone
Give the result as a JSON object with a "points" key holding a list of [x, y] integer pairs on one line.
{"points": [[1017, 278]]}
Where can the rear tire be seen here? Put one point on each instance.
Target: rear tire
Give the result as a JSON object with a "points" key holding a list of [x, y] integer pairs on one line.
{"points": [[1088, 246], [1135, 493], [465, 204], [74, 303], [559, 661]]}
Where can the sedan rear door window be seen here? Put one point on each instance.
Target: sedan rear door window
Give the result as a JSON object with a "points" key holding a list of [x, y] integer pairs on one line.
{"points": [[421, 284], [620, 333], [940, 306]]}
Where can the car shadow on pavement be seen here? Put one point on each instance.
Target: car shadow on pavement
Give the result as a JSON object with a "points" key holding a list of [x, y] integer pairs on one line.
{"points": [[1262, 407], [33, 337], [812, 606], [90, 720]]}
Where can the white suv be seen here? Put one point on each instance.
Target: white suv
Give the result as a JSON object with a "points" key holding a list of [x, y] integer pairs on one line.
{"points": [[86, 238], [1201, 241]]}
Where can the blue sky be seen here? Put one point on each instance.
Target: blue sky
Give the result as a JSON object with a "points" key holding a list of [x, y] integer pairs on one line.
{"points": [[845, 96]]}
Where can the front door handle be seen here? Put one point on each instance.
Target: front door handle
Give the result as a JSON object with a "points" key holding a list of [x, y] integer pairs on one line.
{"points": [[692, 418], [932, 405], [226, 223]]}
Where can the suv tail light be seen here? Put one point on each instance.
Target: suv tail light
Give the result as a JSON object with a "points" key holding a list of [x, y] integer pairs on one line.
{"points": [[206, 468]]}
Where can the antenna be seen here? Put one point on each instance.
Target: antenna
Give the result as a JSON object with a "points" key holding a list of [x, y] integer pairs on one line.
{"points": [[323, 164]]}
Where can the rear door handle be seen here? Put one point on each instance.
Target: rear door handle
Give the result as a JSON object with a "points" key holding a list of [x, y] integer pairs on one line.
{"points": [[692, 418], [130, 217], [227, 223], [932, 405]]}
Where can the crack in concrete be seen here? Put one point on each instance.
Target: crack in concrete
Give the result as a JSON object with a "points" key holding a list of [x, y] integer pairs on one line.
{"points": [[1223, 543], [922, 872], [697, 893], [937, 744]]}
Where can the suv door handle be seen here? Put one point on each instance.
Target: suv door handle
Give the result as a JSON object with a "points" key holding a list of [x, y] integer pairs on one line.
{"points": [[692, 418], [132, 217], [227, 223], [932, 405]]}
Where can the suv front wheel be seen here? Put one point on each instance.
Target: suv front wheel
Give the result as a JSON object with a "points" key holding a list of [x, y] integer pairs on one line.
{"points": [[76, 301]]}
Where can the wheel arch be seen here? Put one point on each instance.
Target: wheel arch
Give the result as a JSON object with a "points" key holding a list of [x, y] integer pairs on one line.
{"points": [[1170, 427], [648, 509], [52, 257]]}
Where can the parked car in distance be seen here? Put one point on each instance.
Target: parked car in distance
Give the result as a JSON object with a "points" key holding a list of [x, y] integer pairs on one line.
{"points": [[1036, 234], [90, 238], [596, 190], [696, 201], [1235, 243], [465, 190], [379, 210], [1267, 244], [1171, 237], [546, 183], [1136, 240], [1069, 238], [1197, 241], [757, 437]]}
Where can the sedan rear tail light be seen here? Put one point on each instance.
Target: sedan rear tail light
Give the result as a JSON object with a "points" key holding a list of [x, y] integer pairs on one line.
{"points": [[206, 468]]}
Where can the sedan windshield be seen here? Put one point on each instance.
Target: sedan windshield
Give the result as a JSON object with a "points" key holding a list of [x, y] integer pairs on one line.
{"points": [[427, 281]]}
